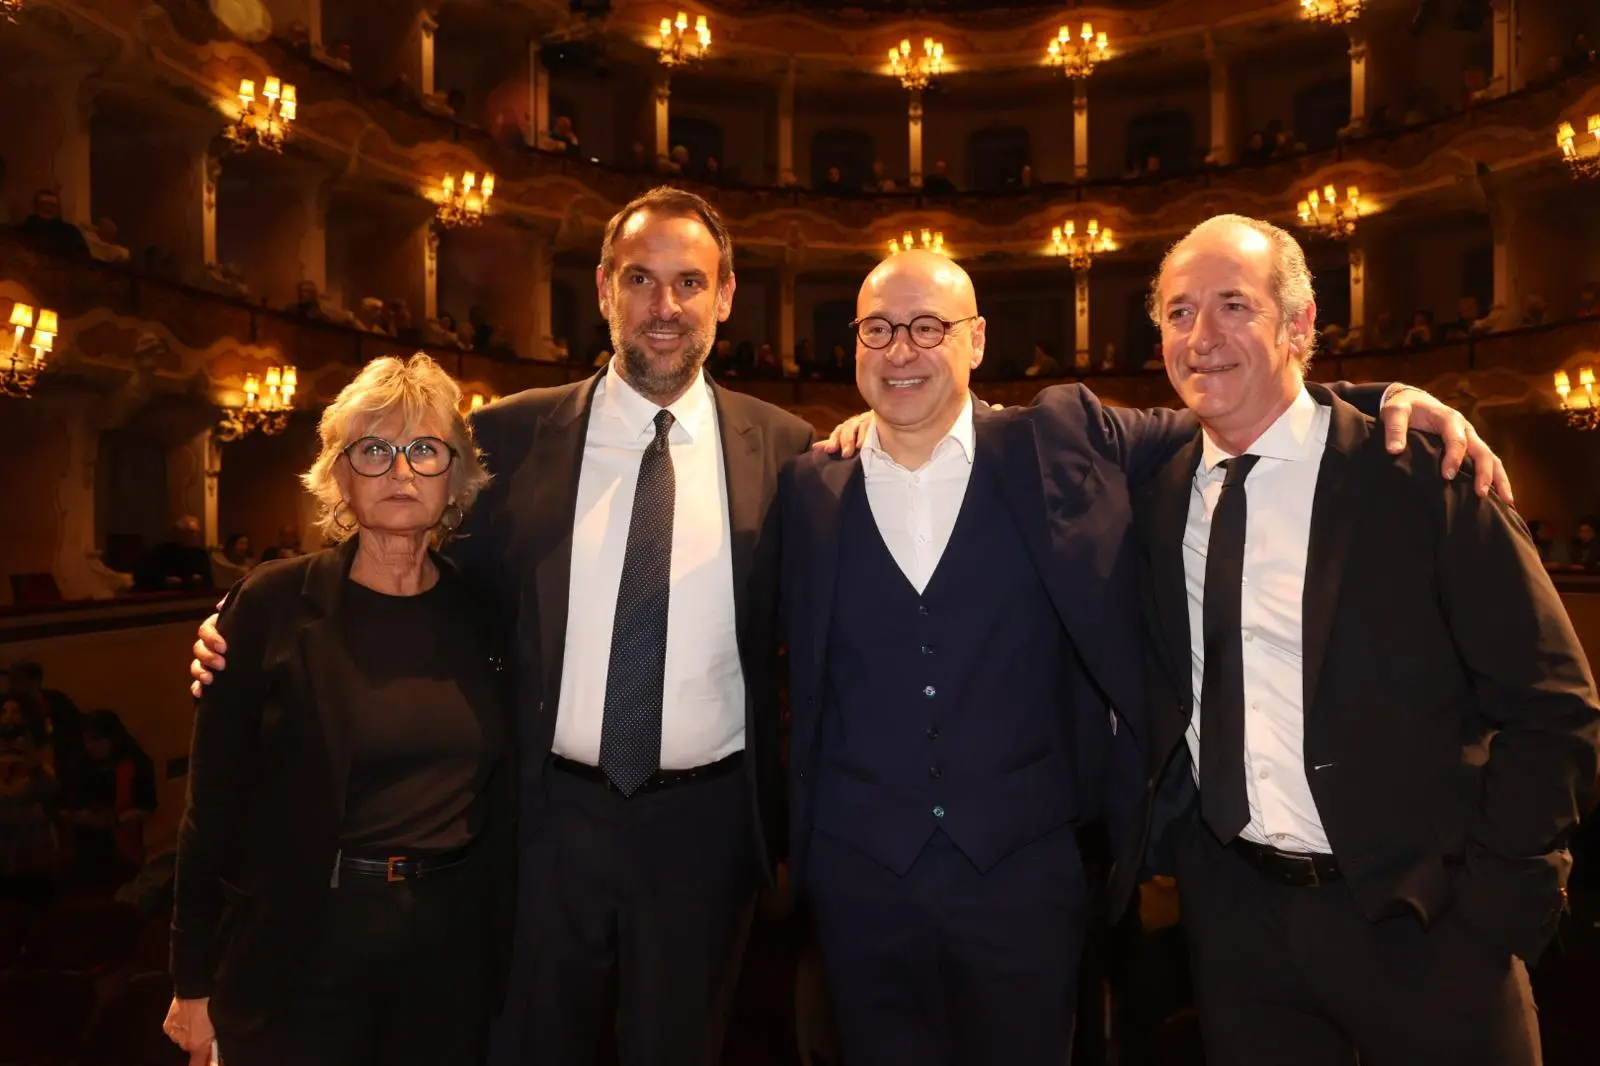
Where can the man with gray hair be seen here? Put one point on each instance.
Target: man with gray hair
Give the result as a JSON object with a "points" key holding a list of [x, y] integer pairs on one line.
{"points": [[1374, 727]]}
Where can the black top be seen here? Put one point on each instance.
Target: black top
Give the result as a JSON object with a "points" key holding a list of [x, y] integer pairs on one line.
{"points": [[423, 740]]}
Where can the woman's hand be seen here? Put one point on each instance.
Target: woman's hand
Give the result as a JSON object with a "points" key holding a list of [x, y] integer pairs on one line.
{"points": [[188, 1025]]}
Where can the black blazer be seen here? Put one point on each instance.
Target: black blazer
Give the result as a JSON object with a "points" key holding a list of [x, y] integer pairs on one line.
{"points": [[1430, 627], [267, 773], [1064, 465], [518, 539]]}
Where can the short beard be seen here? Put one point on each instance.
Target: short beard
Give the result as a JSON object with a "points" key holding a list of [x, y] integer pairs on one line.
{"points": [[661, 384]]}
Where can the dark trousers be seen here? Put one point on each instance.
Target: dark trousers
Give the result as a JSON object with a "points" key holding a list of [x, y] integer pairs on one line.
{"points": [[653, 890], [1288, 976], [399, 976], [949, 966]]}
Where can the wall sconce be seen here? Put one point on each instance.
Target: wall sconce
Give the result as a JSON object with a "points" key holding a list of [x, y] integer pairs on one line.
{"points": [[1581, 153], [267, 414], [932, 241], [678, 47], [1332, 12], [1081, 248], [10, 10], [915, 72], [263, 123], [1578, 405], [466, 203], [1326, 217], [478, 399], [1076, 60], [20, 369]]}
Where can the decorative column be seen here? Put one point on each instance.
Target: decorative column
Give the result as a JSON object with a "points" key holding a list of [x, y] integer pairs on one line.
{"points": [[427, 26], [914, 122], [191, 490], [541, 331], [313, 252], [1221, 105], [1082, 357], [663, 114], [1358, 287], [70, 165], [1358, 80], [786, 285], [786, 127], [1080, 129], [538, 96], [430, 271], [210, 169], [1505, 48]]}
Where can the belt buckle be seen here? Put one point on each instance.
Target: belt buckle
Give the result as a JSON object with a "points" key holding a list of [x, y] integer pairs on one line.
{"points": [[1313, 879], [390, 874]]}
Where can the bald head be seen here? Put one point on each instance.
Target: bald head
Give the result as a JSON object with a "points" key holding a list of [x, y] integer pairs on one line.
{"points": [[934, 277]]}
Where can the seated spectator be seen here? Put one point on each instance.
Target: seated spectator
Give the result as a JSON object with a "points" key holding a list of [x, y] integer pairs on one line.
{"points": [[456, 101], [308, 303], [1588, 302], [1381, 333], [563, 132], [483, 331], [63, 722], [397, 317], [744, 360], [106, 808], [1470, 324], [103, 244], [1535, 312], [767, 364], [401, 91], [842, 361], [1552, 553], [1108, 361], [638, 157], [1333, 339], [938, 183], [444, 332], [288, 546], [180, 563], [1255, 149], [833, 184], [28, 858], [1152, 166], [1025, 176], [1421, 331], [676, 163], [233, 561], [1286, 144], [1583, 553], [1581, 55], [47, 230], [369, 315], [720, 360], [711, 170], [880, 181], [1474, 86], [1044, 363]]}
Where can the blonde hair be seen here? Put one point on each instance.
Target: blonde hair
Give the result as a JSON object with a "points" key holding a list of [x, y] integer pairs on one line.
{"points": [[418, 388], [1290, 279]]}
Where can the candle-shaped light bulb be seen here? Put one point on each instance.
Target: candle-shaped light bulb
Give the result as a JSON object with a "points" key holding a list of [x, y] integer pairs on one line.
{"points": [[666, 29], [1063, 35], [1305, 211], [1105, 239], [1563, 386], [700, 23], [894, 246], [252, 387], [474, 203], [1071, 229], [274, 378], [905, 46], [448, 184], [468, 180], [1330, 194], [927, 238], [1094, 226], [21, 316], [289, 95], [291, 379], [1586, 378], [477, 401], [47, 322], [1055, 235], [1101, 41], [247, 91], [287, 110], [681, 22], [487, 186], [1054, 49], [1088, 32], [905, 241], [1313, 198]]}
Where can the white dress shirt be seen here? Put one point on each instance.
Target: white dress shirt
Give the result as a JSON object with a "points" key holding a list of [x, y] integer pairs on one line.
{"points": [[1278, 493], [915, 510], [702, 715]]}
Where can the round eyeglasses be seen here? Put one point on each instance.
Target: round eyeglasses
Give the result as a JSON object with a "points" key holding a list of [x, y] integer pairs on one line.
{"points": [[925, 331], [374, 456]]}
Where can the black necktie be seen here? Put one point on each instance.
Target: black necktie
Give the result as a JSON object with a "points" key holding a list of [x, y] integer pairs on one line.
{"points": [[1223, 801], [630, 734]]}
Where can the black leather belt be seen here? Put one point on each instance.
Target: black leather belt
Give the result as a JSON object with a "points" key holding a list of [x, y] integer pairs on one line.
{"points": [[1295, 869], [655, 782], [405, 867]]}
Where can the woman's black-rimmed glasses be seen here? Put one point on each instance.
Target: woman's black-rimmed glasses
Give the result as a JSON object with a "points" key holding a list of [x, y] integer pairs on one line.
{"points": [[925, 331], [374, 456]]}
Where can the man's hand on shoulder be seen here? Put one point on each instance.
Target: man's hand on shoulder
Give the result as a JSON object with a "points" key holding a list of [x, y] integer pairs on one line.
{"points": [[208, 656], [1407, 407]]}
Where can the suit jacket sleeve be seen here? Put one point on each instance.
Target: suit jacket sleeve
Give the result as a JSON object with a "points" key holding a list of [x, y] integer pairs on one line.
{"points": [[1534, 687], [470, 548], [221, 763]]}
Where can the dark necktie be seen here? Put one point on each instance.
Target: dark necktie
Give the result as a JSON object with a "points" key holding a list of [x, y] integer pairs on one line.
{"points": [[630, 734], [1223, 801]]}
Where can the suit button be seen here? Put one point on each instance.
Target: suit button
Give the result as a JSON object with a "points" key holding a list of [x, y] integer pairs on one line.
{"points": [[933, 733], [930, 692], [922, 609], [936, 772], [802, 775], [927, 649], [938, 812]]}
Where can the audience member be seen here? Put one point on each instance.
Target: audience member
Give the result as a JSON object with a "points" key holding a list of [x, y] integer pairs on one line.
{"points": [[767, 364], [400, 324], [833, 183], [483, 332], [1044, 363], [744, 360], [369, 315], [102, 242], [938, 183], [880, 180], [1552, 553], [1108, 361], [711, 170], [638, 157], [105, 808], [288, 546], [1535, 312], [1421, 331], [1589, 302], [233, 561], [63, 722], [1470, 323], [1024, 179], [307, 302], [563, 132], [28, 858], [401, 91], [180, 563], [1255, 149], [444, 332], [1581, 55], [1381, 333], [46, 228], [1583, 553]]}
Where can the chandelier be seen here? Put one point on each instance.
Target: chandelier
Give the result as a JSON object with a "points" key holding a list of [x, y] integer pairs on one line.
{"points": [[10, 10], [932, 241], [678, 46], [1081, 248], [267, 414], [1581, 153], [19, 370], [1076, 60], [466, 203], [263, 123], [915, 72], [1332, 12], [1326, 217], [1580, 410]]}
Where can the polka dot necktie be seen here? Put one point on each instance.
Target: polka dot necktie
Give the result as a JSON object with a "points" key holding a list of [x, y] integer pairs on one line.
{"points": [[630, 734], [1224, 803]]}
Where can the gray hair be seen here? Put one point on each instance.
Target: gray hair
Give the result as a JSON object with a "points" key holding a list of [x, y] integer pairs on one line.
{"points": [[419, 389], [1290, 278]]}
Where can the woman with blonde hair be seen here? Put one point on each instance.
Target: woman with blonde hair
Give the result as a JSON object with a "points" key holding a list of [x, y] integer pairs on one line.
{"points": [[345, 857]]}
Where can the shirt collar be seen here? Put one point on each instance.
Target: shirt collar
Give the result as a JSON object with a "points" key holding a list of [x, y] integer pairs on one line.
{"points": [[1293, 436], [960, 433], [621, 402]]}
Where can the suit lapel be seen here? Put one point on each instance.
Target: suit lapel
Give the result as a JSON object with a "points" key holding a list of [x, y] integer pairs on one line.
{"points": [[1009, 448], [746, 475], [1164, 516], [554, 463], [824, 508], [1333, 516]]}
